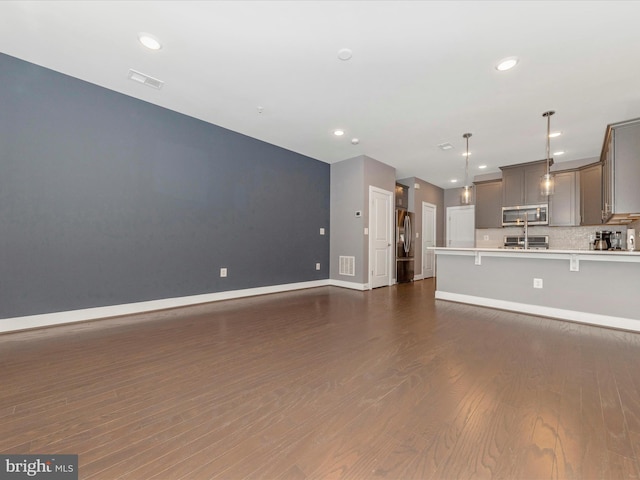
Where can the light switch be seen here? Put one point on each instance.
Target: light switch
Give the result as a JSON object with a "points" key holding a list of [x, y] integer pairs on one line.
{"points": [[322, 231]]}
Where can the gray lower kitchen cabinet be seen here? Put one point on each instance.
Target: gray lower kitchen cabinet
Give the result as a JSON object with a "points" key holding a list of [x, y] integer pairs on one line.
{"points": [[591, 194], [521, 184], [489, 204], [564, 208]]}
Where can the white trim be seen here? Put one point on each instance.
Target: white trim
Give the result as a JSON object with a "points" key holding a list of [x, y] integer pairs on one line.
{"points": [[418, 277], [83, 315], [350, 285], [98, 313], [571, 315]]}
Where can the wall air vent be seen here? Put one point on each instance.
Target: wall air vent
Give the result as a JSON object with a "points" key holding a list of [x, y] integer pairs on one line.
{"points": [[347, 266], [145, 79]]}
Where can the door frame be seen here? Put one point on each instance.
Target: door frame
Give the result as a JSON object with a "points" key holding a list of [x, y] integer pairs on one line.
{"points": [[390, 249], [424, 236]]}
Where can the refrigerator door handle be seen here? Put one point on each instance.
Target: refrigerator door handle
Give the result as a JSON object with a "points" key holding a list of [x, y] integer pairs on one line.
{"points": [[407, 234]]}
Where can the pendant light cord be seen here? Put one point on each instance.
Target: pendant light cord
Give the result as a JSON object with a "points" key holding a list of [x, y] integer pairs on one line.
{"points": [[466, 166], [548, 115]]}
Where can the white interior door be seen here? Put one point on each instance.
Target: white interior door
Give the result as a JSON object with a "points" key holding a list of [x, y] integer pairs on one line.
{"points": [[461, 226], [380, 237], [428, 239]]}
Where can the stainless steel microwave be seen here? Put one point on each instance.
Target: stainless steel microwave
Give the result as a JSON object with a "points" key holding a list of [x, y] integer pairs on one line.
{"points": [[535, 215]]}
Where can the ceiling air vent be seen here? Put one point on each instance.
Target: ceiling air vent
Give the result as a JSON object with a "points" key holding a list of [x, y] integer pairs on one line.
{"points": [[145, 79], [347, 266]]}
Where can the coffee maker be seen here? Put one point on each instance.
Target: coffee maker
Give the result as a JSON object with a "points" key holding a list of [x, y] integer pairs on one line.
{"points": [[603, 240]]}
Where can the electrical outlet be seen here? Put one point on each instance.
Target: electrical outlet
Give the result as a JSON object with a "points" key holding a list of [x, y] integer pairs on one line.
{"points": [[537, 283], [317, 266], [574, 264], [223, 272], [486, 237]]}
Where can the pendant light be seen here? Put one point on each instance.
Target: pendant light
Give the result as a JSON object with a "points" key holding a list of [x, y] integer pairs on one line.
{"points": [[467, 192], [546, 181]]}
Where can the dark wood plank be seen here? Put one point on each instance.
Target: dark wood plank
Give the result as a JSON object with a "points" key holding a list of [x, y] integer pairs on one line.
{"points": [[327, 383]]}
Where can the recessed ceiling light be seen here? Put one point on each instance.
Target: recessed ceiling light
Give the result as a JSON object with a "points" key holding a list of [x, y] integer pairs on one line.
{"points": [[555, 134], [507, 64], [149, 41], [445, 146], [482, 167], [455, 180], [338, 132], [466, 154], [355, 141], [561, 152]]}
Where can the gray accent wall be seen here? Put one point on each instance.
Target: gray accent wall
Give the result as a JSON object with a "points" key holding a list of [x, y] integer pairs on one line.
{"points": [[350, 181], [107, 200]]}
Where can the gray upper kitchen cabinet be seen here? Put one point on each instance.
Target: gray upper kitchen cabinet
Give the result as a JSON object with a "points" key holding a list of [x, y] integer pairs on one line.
{"points": [[621, 173], [532, 175], [489, 204], [564, 208], [591, 194], [521, 184], [512, 186]]}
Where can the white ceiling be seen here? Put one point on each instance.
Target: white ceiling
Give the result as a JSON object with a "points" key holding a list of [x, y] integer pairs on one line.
{"points": [[422, 72]]}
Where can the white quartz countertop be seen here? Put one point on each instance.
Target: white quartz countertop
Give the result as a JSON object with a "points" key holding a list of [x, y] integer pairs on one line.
{"points": [[573, 256], [516, 251]]}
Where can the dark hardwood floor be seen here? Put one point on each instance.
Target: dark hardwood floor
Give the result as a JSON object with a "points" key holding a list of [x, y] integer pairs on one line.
{"points": [[327, 383]]}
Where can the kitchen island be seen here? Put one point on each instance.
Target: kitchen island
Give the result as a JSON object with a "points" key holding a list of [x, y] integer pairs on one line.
{"points": [[595, 287]]}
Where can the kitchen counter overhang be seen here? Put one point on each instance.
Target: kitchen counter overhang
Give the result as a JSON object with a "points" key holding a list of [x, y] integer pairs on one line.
{"points": [[588, 286]]}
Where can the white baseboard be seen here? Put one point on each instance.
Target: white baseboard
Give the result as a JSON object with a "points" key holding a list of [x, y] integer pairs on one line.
{"points": [[351, 285], [83, 315], [571, 315]]}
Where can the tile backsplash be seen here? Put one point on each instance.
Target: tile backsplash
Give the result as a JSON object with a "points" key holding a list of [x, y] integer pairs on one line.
{"points": [[560, 238]]}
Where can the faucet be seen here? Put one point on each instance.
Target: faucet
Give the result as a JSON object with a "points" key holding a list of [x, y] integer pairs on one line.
{"points": [[526, 231]]}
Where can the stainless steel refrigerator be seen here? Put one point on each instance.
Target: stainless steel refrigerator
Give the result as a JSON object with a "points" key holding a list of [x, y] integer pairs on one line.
{"points": [[404, 245]]}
